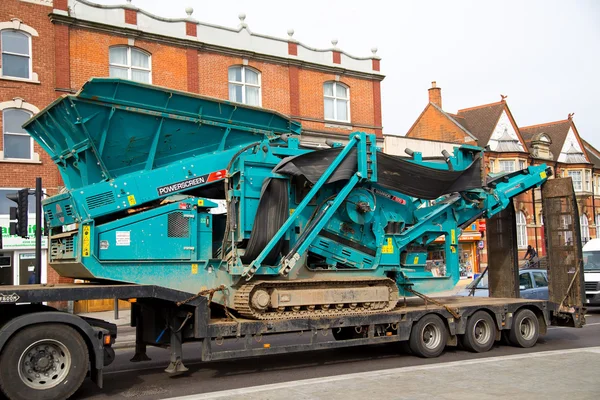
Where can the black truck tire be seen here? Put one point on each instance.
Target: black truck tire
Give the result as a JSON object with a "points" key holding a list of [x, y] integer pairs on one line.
{"points": [[525, 329], [480, 334], [428, 337], [43, 362]]}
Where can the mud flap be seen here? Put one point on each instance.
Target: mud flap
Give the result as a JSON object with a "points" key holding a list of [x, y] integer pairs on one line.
{"points": [[563, 244], [503, 267]]}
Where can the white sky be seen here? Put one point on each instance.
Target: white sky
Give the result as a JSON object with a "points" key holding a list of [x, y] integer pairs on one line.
{"points": [[543, 54]]}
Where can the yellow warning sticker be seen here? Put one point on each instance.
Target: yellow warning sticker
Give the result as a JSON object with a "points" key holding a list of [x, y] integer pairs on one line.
{"points": [[292, 210], [416, 260], [453, 248], [194, 269], [543, 175], [85, 247], [453, 236], [131, 200], [200, 202], [388, 248]]}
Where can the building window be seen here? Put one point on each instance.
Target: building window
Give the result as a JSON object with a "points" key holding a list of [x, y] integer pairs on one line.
{"points": [[337, 101], [598, 226], [16, 54], [244, 85], [522, 164], [576, 177], [507, 166], [585, 228], [130, 63], [521, 230], [17, 142], [588, 180]]}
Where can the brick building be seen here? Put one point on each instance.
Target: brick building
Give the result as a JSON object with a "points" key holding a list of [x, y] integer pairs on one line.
{"points": [[50, 48], [510, 147]]}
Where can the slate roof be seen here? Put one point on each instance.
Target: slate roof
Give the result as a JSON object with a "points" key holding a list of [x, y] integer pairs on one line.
{"points": [[593, 154], [481, 120], [557, 131]]}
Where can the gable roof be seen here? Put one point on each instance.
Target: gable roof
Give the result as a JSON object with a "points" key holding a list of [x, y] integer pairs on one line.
{"points": [[593, 153], [557, 131], [481, 120], [455, 121]]}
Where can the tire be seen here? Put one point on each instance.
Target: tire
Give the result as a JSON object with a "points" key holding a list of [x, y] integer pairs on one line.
{"points": [[525, 329], [59, 354], [428, 337], [480, 334]]}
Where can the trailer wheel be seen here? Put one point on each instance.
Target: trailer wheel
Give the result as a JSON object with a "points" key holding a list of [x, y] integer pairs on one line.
{"points": [[43, 362], [480, 334], [525, 329], [428, 337]]}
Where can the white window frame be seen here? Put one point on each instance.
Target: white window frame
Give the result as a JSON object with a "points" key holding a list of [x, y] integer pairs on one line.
{"points": [[31, 153], [245, 84], [501, 161], [522, 239], [573, 172], [587, 180], [129, 66], [598, 226], [522, 164], [29, 56], [335, 99], [584, 227]]}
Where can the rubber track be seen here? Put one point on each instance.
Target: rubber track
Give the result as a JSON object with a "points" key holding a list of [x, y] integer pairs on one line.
{"points": [[243, 306]]}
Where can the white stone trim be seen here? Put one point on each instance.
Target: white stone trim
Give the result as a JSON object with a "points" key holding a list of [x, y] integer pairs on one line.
{"points": [[18, 25], [47, 3], [19, 103], [240, 38]]}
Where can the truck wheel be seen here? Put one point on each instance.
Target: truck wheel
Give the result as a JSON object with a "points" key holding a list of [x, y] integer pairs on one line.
{"points": [[43, 362], [480, 334], [428, 337], [525, 329]]}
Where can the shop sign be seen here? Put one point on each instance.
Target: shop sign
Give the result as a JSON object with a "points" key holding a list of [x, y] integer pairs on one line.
{"points": [[15, 242], [480, 244]]}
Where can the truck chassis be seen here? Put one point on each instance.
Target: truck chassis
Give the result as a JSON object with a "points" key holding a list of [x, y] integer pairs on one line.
{"points": [[168, 318]]}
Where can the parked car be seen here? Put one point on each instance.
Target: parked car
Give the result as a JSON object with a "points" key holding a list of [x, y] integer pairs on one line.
{"points": [[533, 284], [591, 272]]}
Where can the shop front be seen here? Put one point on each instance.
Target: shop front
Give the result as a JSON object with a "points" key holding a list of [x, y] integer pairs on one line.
{"points": [[470, 244], [17, 256]]}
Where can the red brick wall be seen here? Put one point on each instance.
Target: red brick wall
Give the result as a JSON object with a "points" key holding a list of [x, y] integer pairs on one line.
{"points": [[433, 125]]}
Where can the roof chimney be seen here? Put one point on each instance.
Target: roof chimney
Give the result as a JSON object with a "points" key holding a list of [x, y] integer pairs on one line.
{"points": [[435, 95]]}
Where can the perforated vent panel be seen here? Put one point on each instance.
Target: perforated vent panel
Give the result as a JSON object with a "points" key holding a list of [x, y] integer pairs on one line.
{"points": [[100, 200], [179, 226]]}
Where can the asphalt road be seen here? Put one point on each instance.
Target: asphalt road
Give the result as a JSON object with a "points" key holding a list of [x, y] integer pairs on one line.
{"points": [[125, 380]]}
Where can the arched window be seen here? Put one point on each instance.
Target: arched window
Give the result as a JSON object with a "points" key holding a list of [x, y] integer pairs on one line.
{"points": [[521, 230], [130, 63], [16, 54], [244, 85], [18, 144], [336, 101], [584, 226]]}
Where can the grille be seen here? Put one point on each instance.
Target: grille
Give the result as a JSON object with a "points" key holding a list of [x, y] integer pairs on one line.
{"points": [[591, 286], [100, 200], [68, 245], [68, 210], [49, 215], [178, 225]]}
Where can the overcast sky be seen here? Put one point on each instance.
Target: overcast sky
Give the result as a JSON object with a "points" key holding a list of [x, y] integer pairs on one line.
{"points": [[544, 55]]}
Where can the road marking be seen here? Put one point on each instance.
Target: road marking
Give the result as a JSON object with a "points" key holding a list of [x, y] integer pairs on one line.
{"points": [[563, 327], [378, 374]]}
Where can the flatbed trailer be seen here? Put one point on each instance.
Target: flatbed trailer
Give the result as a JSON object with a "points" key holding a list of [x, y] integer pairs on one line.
{"points": [[168, 318]]}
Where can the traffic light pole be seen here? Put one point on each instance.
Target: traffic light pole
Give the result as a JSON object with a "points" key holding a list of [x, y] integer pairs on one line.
{"points": [[38, 230]]}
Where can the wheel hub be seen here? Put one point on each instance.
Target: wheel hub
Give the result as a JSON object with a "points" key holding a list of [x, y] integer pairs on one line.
{"points": [[44, 364]]}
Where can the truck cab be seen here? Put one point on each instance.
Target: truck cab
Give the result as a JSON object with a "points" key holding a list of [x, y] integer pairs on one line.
{"points": [[591, 272]]}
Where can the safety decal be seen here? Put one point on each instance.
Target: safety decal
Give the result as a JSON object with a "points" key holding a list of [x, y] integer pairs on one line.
{"points": [[85, 247], [9, 298], [388, 248]]}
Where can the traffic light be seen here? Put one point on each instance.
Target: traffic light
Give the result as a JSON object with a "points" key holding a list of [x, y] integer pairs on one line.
{"points": [[19, 213]]}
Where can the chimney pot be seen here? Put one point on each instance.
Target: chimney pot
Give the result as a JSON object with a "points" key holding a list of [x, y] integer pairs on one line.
{"points": [[433, 84]]}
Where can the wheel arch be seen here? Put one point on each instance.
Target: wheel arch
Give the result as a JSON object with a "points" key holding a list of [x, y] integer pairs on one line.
{"points": [[88, 333]]}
